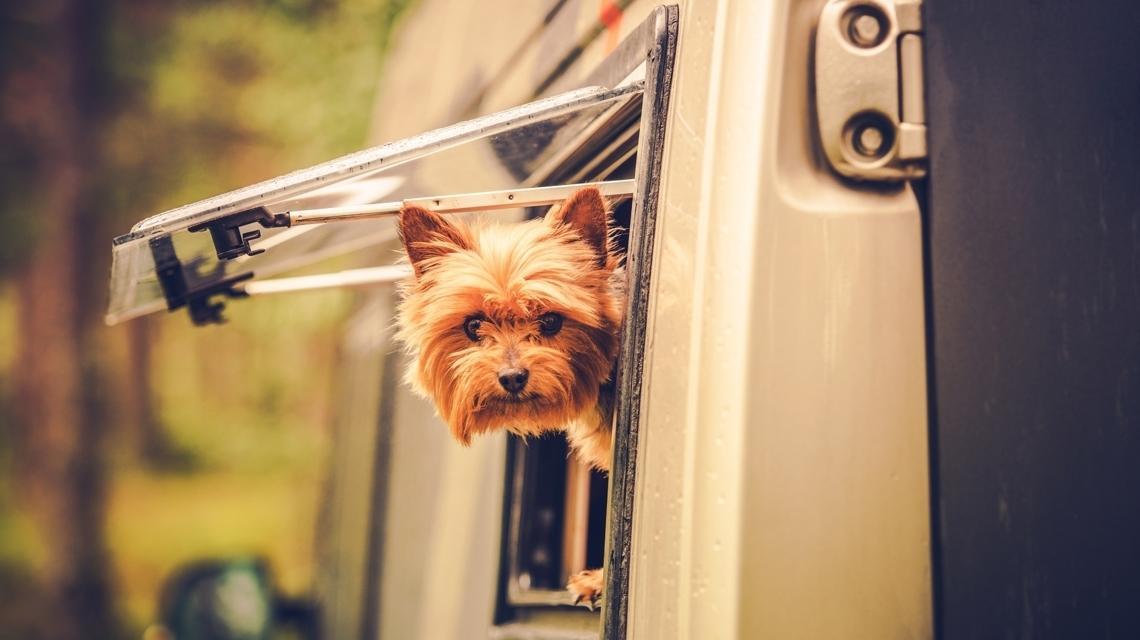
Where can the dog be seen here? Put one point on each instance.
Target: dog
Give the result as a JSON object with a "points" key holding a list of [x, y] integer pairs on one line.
{"points": [[516, 327]]}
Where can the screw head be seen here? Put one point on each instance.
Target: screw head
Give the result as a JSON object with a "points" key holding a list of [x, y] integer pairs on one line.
{"points": [[866, 26], [869, 136], [865, 29], [870, 140]]}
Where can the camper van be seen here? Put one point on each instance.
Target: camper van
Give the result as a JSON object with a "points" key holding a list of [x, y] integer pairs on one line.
{"points": [[839, 414]]}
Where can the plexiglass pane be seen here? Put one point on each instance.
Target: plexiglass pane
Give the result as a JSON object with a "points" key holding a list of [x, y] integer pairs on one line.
{"points": [[498, 151]]}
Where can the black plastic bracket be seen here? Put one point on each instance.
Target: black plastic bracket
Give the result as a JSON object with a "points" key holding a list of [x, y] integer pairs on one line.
{"points": [[186, 286], [230, 241]]}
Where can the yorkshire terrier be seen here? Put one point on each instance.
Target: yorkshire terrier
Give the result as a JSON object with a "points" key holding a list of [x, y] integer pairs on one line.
{"points": [[515, 327]]}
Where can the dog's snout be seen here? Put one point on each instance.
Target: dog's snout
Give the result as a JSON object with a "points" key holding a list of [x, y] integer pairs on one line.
{"points": [[513, 379]]}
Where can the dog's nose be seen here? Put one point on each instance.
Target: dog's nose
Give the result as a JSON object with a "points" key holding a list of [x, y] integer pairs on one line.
{"points": [[513, 379]]}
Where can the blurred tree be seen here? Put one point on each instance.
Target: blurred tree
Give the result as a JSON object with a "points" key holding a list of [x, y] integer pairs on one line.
{"points": [[111, 110], [150, 440], [50, 113]]}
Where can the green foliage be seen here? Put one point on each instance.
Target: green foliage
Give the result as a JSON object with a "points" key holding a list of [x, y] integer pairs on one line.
{"points": [[228, 94], [191, 99], [231, 93]]}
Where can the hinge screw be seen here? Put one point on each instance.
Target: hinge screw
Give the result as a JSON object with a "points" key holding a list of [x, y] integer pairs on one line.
{"points": [[871, 141], [869, 135], [866, 26]]}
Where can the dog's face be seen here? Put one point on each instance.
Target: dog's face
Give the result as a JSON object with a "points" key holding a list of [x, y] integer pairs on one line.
{"points": [[511, 326]]}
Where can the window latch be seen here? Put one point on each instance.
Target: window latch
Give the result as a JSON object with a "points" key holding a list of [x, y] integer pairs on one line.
{"points": [[870, 101], [183, 285], [229, 239]]}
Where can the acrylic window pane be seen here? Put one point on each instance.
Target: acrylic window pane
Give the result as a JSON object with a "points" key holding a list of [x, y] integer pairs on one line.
{"points": [[502, 150]]}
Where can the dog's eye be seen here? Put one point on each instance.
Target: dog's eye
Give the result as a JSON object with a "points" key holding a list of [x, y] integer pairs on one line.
{"points": [[471, 328], [549, 324]]}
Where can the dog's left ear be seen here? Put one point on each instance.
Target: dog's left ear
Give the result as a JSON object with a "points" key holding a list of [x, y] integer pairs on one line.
{"points": [[585, 212]]}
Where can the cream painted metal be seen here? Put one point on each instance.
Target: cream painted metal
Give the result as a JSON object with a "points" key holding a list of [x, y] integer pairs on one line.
{"points": [[501, 200], [363, 277], [782, 466], [507, 200], [782, 471], [440, 556], [340, 574]]}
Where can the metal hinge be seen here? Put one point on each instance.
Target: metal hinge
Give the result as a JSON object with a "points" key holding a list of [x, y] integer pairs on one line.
{"points": [[870, 101]]}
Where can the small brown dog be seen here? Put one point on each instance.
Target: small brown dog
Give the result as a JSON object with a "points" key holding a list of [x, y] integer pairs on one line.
{"points": [[516, 327]]}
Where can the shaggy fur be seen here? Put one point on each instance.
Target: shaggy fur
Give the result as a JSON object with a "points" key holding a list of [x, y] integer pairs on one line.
{"points": [[483, 304]]}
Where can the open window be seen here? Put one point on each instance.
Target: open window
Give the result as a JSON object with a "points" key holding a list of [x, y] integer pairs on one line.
{"points": [[558, 517], [198, 255]]}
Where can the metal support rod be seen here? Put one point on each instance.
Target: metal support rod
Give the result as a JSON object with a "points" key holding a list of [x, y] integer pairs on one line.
{"points": [[459, 203], [370, 276]]}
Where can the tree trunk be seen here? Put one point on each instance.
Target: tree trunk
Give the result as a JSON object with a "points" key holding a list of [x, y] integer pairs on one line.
{"points": [[57, 448], [150, 441]]}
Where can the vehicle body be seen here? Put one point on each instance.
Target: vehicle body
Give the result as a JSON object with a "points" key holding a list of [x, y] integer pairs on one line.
{"points": [[774, 474]]}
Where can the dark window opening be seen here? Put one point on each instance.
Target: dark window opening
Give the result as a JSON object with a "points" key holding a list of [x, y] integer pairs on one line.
{"points": [[558, 518]]}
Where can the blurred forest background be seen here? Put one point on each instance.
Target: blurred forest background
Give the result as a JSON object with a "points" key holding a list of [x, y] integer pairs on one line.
{"points": [[127, 451]]}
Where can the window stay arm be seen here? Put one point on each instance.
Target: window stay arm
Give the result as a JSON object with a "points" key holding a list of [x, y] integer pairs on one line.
{"points": [[364, 277], [231, 241], [461, 203]]}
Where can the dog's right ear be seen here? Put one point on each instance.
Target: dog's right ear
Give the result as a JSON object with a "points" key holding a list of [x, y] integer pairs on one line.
{"points": [[427, 236]]}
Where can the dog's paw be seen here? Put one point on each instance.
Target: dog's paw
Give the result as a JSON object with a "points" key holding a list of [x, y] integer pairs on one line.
{"points": [[586, 587]]}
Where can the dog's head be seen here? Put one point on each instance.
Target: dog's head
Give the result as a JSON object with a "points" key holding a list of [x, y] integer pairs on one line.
{"points": [[511, 326]]}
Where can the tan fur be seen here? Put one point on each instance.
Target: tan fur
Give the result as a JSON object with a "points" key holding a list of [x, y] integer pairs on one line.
{"points": [[586, 587], [509, 276]]}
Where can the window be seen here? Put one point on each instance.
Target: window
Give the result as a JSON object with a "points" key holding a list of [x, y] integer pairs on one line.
{"points": [[558, 517], [197, 255], [554, 507]]}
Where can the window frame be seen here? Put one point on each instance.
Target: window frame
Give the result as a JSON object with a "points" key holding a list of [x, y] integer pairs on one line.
{"points": [[608, 150], [652, 44], [639, 267]]}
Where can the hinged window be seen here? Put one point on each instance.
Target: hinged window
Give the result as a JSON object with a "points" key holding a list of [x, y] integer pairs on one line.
{"points": [[559, 517], [197, 255]]}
